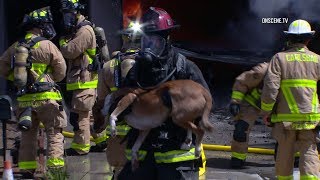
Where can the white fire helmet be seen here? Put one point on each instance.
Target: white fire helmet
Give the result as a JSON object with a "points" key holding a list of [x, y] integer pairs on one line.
{"points": [[298, 27]]}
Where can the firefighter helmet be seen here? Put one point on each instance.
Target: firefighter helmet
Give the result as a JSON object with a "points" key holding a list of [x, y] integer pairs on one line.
{"points": [[42, 19], [71, 5], [157, 19], [38, 17], [299, 27]]}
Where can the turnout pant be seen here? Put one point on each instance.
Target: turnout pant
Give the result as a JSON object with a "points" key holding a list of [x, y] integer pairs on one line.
{"points": [[244, 122], [54, 118], [305, 141], [81, 105]]}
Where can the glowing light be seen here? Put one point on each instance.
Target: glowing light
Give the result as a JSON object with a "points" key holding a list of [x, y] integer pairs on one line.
{"points": [[136, 27]]}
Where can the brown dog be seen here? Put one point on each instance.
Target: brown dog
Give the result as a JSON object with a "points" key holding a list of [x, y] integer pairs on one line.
{"points": [[188, 101]]}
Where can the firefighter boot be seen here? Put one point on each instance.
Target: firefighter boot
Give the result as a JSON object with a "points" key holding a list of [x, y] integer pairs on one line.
{"points": [[101, 147], [237, 163], [72, 152]]}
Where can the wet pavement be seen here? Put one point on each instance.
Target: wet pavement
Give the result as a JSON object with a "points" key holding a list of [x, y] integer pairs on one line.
{"points": [[95, 167]]}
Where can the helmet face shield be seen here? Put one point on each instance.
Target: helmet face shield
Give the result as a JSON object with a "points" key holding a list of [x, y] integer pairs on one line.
{"points": [[153, 44], [69, 20], [48, 31]]}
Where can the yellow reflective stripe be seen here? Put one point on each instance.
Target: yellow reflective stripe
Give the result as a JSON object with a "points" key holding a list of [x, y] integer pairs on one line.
{"points": [[82, 85], [25, 118], [74, 1], [237, 95], [174, 156], [28, 36], [33, 104], [39, 68], [81, 147], [132, 50], [141, 154], [309, 177], [100, 139], [289, 83], [63, 42], [122, 130], [36, 45], [295, 117], [267, 106], [303, 125], [252, 101], [114, 62], [290, 99], [27, 165], [285, 177], [89, 58], [255, 93], [40, 96], [43, 13], [113, 89], [299, 83], [90, 53], [237, 155], [300, 49], [315, 102], [10, 77], [55, 162]]}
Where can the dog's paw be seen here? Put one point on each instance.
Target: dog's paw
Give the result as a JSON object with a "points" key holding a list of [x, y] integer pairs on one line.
{"points": [[113, 120], [197, 152]]}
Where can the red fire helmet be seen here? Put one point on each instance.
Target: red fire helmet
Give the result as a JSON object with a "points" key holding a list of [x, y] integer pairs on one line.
{"points": [[157, 19]]}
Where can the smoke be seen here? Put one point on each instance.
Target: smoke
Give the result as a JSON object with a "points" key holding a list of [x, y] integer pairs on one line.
{"points": [[269, 8], [248, 31], [298, 9]]}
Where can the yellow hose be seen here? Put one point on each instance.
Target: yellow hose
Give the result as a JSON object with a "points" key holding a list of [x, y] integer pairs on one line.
{"points": [[214, 147]]}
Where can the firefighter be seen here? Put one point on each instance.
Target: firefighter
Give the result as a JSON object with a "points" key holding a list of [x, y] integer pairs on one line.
{"points": [[245, 107], [37, 65], [78, 46], [161, 156], [289, 98], [106, 85]]}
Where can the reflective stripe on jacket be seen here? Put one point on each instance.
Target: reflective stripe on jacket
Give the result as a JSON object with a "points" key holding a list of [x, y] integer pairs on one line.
{"points": [[290, 88], [247, 86]]}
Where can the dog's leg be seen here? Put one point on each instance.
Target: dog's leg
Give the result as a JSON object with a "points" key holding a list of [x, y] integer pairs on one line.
{"points": [[187, 143], [190, 126], [123, 104], [199, 137], [134, 159]]}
